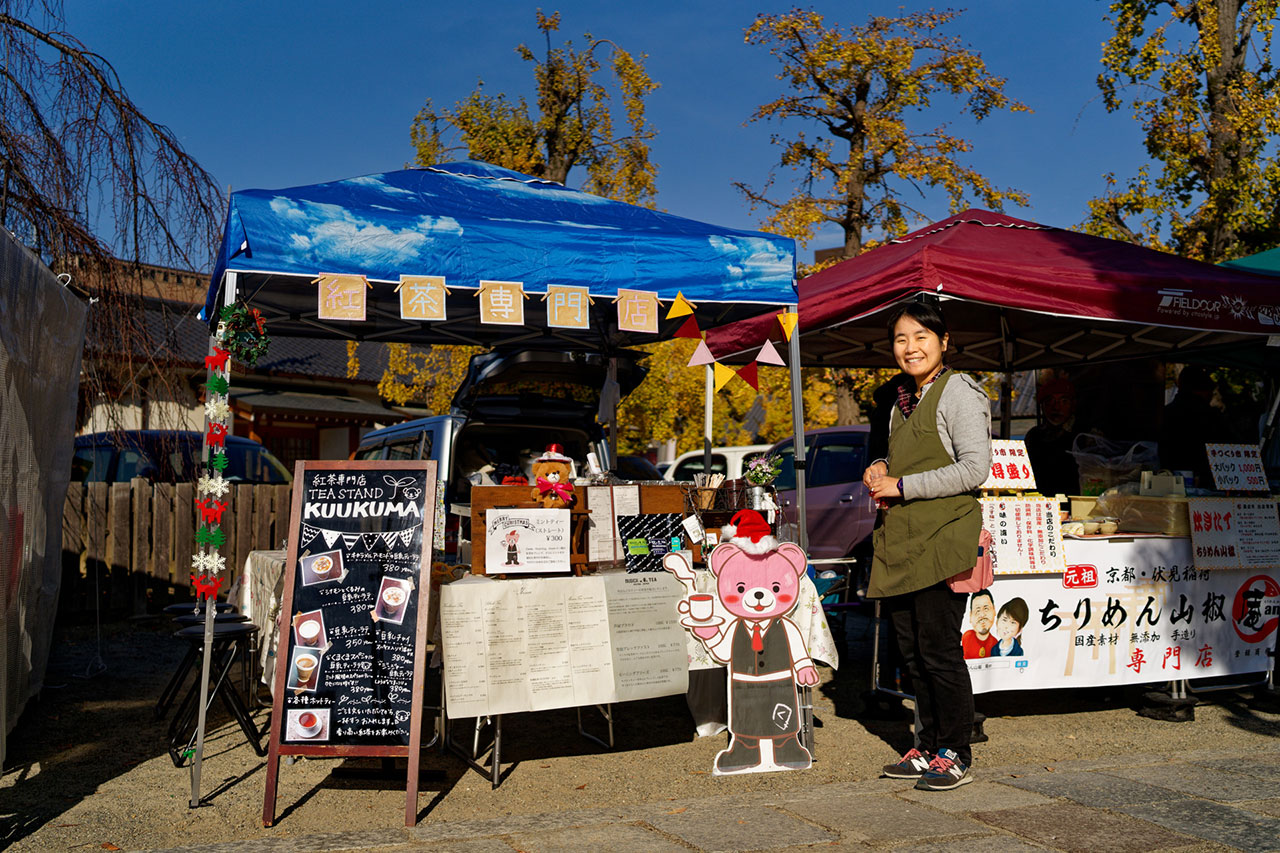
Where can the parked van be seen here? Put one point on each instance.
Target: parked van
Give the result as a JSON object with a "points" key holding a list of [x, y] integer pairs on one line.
{"points": [[168, 456], [839, 509], [730, 461]]}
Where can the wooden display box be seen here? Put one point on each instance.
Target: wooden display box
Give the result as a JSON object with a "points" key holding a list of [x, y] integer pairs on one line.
{"points": [[657, 498]]}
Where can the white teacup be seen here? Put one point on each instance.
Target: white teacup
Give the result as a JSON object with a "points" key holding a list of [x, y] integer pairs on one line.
{"points": [[393, 599], [701, 607]]}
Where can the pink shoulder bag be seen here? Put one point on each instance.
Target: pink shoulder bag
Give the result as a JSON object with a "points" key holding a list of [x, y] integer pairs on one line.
{"points": [[981, 575]]}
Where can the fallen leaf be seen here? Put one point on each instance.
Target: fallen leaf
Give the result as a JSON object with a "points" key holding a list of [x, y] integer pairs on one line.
{"points": [[107, 845], [680, 810], [1015, 775], [1050, 769], [580, 787], [1071, 737]]}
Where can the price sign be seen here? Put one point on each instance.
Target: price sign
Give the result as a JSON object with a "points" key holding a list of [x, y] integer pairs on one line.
{"points": [[1237, 468], [1234, 533], [1010, 467], [1025, 536]]}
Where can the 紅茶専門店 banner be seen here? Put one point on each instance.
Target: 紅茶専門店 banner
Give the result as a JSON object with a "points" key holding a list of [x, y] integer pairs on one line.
{"points": [[1123, 612]]}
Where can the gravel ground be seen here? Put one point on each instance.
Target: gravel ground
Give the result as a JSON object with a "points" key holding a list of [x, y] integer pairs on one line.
{"points": [[87, 767]]}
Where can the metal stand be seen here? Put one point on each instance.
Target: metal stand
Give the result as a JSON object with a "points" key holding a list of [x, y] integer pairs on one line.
{"points": [[606, 711]]}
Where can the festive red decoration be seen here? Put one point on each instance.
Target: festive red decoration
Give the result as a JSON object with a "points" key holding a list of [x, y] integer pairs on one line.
{"points": [[749, 375], [206, 587], [211, 510], [217, 361], [258, 321], [217, 435], [750, 524], [689, 329]]}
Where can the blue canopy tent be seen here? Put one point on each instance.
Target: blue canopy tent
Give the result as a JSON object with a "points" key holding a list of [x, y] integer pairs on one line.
{"points": [[470, 221]]}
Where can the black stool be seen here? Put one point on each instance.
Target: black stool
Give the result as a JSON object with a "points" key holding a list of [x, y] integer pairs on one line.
{"points": [[196, 607], [189, 659], [230, 640]]}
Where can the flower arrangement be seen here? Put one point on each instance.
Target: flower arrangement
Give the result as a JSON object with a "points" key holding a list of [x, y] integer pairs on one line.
{"points": [[762, 470]]}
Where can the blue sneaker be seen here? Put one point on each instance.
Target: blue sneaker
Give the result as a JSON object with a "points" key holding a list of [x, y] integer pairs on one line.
{"points": [[910, 766], [946, 771]]}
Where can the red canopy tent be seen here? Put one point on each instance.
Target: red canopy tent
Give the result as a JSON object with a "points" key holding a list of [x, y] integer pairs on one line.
{"points": [[1018, 296]]}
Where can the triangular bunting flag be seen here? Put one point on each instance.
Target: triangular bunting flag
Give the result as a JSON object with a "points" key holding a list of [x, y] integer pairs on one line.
{"points": [[701, 355], [350, 540], [308, 533], [370, 539], [723, 375], [788, 319], [769, 355], [389, 538], [680, 307], [748, 375], [330, 536], [689, 329], [406, 536]]}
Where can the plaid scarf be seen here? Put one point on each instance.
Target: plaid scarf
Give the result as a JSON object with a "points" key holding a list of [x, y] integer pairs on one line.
{"points": [[907, 398]]}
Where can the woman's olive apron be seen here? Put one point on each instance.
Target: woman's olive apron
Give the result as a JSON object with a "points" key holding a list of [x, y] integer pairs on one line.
{"points": [[922, 542]]}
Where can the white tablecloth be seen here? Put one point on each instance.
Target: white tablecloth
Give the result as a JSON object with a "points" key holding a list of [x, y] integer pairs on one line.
{"points": [[261, 589]]}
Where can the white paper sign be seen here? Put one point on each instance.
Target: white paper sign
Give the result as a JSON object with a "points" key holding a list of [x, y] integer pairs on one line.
{"points": [[519, 541], [602, 526], [1010, 467], [540, 643], [1231, 533], [1237, 468], [1025, 535], [1134, 612]]}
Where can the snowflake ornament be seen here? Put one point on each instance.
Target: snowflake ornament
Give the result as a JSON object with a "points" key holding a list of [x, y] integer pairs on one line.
{"points": [[216, 408], [208, 563], [214, 485]]}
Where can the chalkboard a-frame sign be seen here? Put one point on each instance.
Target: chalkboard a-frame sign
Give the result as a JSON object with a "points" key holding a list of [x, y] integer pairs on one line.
{"points": [[350, 662]]}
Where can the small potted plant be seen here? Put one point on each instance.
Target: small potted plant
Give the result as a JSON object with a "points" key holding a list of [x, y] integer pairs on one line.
{"points": [[759, 473]]}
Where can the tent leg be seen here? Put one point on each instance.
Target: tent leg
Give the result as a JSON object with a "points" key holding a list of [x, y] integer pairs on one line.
{"points": [[797, 428], [708, 394], [210, 604], [1006, 404]]}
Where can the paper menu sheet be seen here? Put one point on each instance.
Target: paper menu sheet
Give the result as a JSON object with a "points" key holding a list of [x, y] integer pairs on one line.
{"points": [[606, 504], [537, 644], [649, 657], [602, 529]]}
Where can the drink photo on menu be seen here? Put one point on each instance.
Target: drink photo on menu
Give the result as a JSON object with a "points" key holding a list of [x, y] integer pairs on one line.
{"points": [[304, 669], [322, 568], [307, 724], [308, 630], [393, 596]]}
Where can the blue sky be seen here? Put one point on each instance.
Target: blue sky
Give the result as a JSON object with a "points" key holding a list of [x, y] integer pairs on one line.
{"points": [[276, 94]]}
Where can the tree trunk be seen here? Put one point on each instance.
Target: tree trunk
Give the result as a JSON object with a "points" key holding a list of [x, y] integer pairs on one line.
{"points": [[847, 409]]}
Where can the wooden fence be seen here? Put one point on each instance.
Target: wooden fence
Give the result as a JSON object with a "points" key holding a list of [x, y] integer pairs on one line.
{"points": [[130, 544]]}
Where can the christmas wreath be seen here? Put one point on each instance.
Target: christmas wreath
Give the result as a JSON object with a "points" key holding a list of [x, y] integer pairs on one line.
{"points": [[244, 333]]}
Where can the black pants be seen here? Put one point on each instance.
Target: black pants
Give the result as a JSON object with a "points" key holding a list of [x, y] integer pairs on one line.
{"points": [[926, 625]]}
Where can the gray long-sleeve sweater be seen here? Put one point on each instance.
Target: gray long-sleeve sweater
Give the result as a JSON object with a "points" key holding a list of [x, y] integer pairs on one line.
{"points": [[964, 425]]}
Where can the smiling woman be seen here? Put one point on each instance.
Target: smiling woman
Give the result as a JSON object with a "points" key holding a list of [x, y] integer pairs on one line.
{"points": [[939, 452]]}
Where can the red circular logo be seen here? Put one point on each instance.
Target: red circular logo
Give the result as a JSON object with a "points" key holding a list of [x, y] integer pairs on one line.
{"points": [[1256, 610]]}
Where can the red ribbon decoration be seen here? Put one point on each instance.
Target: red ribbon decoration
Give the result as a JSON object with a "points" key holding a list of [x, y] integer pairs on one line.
{"points": [[564, 491]]}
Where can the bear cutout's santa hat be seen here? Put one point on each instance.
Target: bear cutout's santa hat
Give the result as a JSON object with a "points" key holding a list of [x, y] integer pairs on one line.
{"points": [[750, 532]]}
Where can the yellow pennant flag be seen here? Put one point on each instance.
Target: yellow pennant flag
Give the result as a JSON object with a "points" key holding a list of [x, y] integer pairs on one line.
{"points": [[723, 375], [788, 319], [680, 307]]}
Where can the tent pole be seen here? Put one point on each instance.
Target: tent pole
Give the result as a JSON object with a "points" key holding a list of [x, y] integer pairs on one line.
{"points": [[210, 604], [708, 390], [1006, 378], [612, 462], [797, 429]]}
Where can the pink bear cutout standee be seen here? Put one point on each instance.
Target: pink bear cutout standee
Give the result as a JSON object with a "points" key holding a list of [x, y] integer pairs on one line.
{"points": [[757, 585]]}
